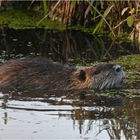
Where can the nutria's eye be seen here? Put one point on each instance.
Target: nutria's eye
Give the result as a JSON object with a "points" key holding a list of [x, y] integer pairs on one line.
{"points": [[82, 75], [96, 72]]}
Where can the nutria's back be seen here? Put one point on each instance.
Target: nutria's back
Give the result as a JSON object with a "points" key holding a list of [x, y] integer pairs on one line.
{"points": [[40, 73], [33, 73]]}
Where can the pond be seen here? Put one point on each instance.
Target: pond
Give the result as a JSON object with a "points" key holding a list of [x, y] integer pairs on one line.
{"points": [[69, 46], [87, 114], [70, 118]]}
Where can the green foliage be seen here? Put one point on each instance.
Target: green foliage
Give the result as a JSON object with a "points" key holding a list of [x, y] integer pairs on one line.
{"points": [[26, 19], [103, 19], [111, 17], [130, 21], [102, 16], [45, 7]]}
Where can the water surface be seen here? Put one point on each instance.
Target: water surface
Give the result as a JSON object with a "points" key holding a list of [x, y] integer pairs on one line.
{"points": [[71, 118], [63, 114]]}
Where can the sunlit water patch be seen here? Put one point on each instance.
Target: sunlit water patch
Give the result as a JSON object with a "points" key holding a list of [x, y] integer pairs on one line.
{"points": [[40, 119]]}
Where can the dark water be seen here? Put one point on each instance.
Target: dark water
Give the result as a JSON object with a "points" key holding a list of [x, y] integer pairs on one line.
{"points": [[61, 114], [65, 46]]}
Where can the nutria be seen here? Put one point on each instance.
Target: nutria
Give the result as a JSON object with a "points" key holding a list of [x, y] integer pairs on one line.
{"points": [[40, 73]]}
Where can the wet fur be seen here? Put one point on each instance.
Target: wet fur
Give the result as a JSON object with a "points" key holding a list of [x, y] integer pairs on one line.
{"points": [[39, 73]]}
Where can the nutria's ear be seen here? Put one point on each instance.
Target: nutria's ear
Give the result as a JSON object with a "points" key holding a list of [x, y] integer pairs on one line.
{"points": [[82, 75]]}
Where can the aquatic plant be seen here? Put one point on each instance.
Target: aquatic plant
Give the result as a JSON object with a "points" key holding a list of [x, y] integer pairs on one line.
{"points": [[111, 17]]}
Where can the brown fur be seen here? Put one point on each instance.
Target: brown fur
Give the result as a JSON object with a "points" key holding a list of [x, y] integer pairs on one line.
{"points": [[78, 84], [28, 74], [33, 73]]}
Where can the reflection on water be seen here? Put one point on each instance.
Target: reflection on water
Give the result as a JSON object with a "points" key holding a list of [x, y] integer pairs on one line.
{"points": [[61, 114], [70, 117], [65, 46]]}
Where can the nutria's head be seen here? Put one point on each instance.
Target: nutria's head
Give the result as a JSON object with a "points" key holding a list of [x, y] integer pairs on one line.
{"points": [[102, 76]]}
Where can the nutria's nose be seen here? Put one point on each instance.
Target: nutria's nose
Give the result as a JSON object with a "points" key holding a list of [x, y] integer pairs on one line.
{"points": [[117, 68]]}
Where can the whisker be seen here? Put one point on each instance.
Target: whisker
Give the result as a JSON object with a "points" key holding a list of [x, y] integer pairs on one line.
{"points": [[105, 80]]}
